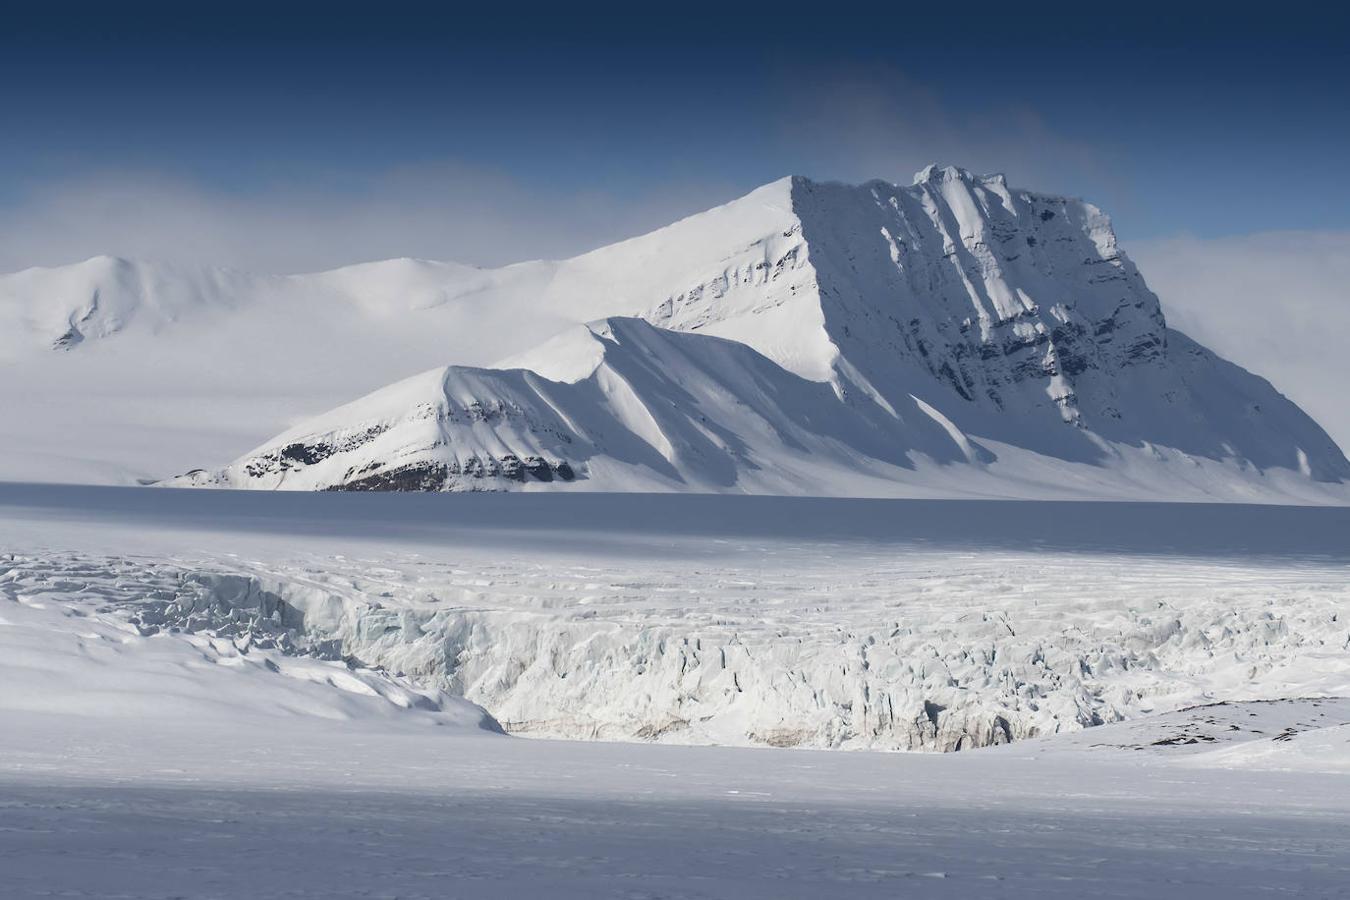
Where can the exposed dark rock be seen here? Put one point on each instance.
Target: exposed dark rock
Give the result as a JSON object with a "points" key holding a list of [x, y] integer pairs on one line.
{"points": [[307, 454], [447, 476], [419, 477]]}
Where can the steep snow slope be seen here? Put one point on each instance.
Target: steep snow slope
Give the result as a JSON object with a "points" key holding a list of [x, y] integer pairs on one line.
{"points": [[1014, 312], [633, 407], [957, 305]]}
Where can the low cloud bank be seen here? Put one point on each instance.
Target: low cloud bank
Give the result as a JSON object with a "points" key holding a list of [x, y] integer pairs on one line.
{"points": [[1276, 303]]}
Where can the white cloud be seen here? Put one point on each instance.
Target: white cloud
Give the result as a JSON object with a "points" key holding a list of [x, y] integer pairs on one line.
{"points": [[858, 122], [445, 211], [849, 122], [1276, 303]]}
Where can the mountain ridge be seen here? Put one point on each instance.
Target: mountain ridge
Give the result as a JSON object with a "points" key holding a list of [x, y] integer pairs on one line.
{"points": [[1000, 317], [643, 408], [658, 410]]}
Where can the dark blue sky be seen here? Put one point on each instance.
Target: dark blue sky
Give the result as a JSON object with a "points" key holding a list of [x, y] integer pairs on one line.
{"points": [[1175, 121]]}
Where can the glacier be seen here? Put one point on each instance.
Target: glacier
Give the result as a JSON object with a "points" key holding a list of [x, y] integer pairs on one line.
{"points": [[854, 624], [209, 692], [295, 694]]}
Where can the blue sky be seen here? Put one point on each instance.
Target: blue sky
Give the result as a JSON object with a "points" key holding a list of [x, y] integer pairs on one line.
{"points": [[437, 132]]}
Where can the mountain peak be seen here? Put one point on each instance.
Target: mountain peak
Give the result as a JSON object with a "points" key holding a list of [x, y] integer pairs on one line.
{"points": [[935, 174]]}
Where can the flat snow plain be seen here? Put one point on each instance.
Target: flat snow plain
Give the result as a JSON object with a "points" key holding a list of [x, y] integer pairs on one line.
{"points": [[218, 694]]}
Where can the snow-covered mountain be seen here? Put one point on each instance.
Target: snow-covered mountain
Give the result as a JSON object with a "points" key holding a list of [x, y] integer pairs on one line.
{"points": [[952, 337], [618, 404]]}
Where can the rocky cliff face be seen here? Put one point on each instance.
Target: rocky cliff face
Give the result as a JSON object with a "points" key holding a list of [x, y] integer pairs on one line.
{"points": [[1007, 298], [1011, 312]]}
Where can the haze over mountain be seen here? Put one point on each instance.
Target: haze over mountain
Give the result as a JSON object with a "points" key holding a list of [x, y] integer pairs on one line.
{"points": [[955, 337]]}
